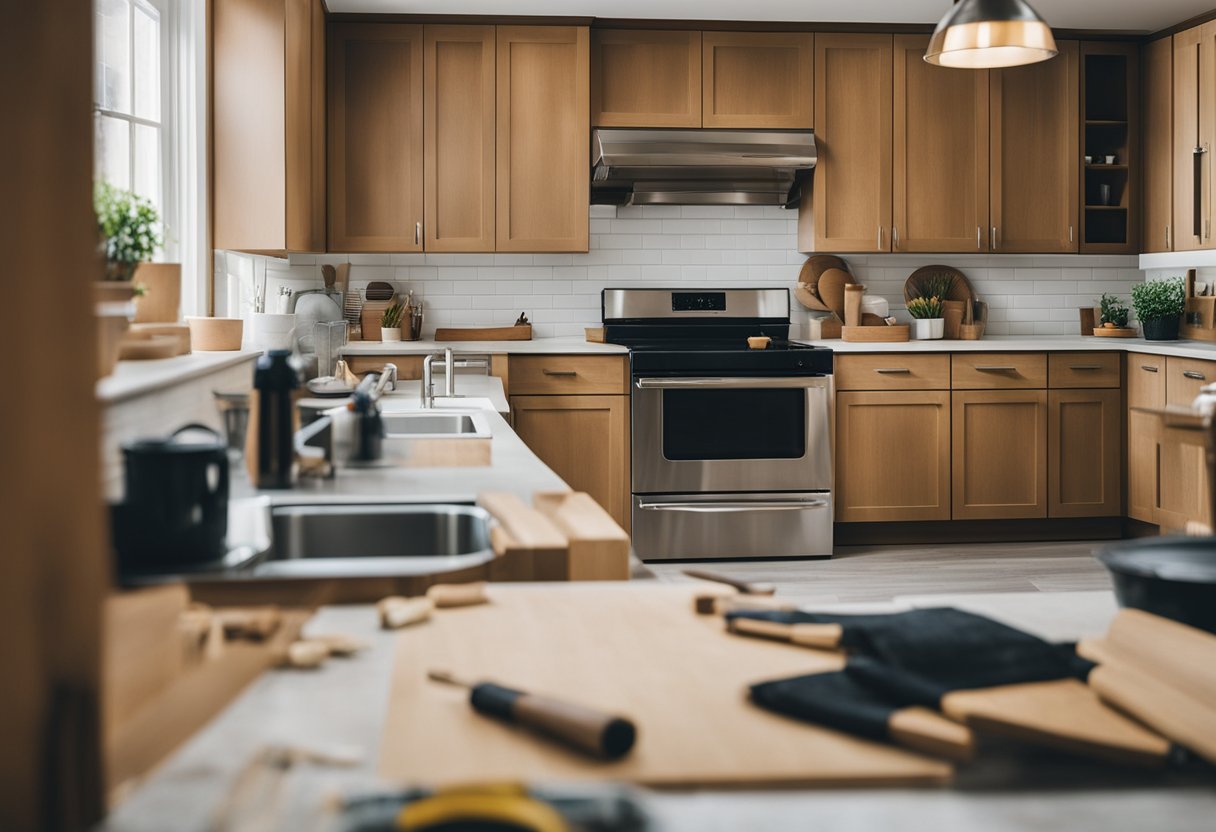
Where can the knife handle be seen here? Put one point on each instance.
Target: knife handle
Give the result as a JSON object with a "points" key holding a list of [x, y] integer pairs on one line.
{"points": [[586, 729]]}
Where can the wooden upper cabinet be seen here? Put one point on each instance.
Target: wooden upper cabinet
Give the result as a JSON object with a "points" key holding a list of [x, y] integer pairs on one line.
{"points": [[940, 199], [268, 118], [544, 117], [758, 79], [852, 185], [460, 96], [1157, 60], [375, 137], [1192, 161], [645, 78], [1034, 155]]}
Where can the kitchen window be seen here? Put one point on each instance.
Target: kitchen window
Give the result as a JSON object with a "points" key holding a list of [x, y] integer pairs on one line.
{"points": [[149, 121]]}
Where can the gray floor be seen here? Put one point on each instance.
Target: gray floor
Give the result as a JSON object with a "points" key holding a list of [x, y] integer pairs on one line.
{"points": [[879, 573]]}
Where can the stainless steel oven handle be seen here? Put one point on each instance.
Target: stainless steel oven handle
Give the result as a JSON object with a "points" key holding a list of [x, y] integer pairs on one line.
{"points": [[754, 383], [722, 508]]}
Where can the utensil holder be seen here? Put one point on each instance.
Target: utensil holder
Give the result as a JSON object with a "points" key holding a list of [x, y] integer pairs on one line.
{"points": [[411, 327]]}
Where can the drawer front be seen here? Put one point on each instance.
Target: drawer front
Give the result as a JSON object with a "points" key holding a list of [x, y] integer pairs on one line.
{"points": [[568, 375], [998, 370], [1145, 380], [1184, 377], [1083, 369], [892, 371]]}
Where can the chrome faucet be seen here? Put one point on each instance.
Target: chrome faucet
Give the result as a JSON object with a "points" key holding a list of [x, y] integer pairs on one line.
{"points": [[428, 379]]}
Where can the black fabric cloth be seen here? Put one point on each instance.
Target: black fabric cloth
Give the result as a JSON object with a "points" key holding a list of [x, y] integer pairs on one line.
{"points": [[835, 700]]}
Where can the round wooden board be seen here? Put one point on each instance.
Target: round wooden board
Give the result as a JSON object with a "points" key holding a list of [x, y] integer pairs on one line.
{"points": [[961, 290], [1115, 332], [806, 291]]}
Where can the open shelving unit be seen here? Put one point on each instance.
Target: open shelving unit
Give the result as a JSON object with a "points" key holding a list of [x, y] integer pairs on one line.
{"points": [[1109, 128]]}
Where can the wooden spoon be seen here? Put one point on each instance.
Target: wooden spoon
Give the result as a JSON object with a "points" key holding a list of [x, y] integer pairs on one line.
{"points": [[831, 290]]}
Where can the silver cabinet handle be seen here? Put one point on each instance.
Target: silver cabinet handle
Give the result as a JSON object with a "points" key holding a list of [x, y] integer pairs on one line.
{"points": [[979, 238], [1148, 367], [880, 238], [1085, 366], [986, 368], [417, 233], [724, 508], [892, 370], [1070, 233], [994, 238], [1197, 195], [562, 373], [1167, 238], [894, 237], [1195, 374]]}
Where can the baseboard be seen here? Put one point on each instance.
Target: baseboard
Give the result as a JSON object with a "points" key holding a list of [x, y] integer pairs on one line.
{"points": [[983, 531]]}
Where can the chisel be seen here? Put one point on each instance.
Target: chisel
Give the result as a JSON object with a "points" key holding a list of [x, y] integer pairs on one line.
{"points": [[602, 735]]}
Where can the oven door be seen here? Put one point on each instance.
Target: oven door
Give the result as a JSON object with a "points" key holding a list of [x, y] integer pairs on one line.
{"points": [[731, 434], [732, 526]]}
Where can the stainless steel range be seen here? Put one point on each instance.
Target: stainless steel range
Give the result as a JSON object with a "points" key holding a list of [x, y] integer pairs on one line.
{"points": [[732, 453]]}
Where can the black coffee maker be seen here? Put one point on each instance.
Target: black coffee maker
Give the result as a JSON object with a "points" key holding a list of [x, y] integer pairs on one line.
{"points": [[175, 513]]}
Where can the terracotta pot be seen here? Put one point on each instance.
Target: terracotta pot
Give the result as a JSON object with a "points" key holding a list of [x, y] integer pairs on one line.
{"points": [[162, 297]]}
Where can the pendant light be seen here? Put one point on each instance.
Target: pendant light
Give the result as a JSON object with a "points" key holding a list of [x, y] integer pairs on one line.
{"points": [[987, 34]]}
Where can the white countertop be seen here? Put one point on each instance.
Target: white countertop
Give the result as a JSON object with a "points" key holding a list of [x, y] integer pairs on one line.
{"points": [[343, 705], [134, 378], [1030, 343], [537, 346]]}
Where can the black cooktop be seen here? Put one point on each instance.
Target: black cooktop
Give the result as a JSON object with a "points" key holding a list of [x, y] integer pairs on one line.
{"points": [[718, 358]]}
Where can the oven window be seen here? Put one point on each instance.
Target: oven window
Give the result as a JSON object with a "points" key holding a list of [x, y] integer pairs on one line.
{"points": [[734, 424]]}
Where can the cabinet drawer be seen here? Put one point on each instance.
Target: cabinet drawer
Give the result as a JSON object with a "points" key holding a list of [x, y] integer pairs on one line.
{"points": [[892, 371], [1083, 369], [1145, 380], [998, 370], [561, 375], [1184, 377]]}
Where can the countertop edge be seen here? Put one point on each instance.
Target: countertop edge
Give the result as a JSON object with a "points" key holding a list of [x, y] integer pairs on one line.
{"points": [[132, 379], [1026, 343]]}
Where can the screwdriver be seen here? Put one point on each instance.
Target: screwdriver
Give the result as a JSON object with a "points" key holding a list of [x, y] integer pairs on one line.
{"points": [[602, 735]]}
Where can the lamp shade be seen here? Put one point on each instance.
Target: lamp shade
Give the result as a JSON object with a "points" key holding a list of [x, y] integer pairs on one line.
{"points": [[988, 34]]}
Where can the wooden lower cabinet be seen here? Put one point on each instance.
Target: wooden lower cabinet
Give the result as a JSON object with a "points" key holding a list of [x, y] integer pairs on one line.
{"points": [[585, 440], [1084, 455], [999, 454], [893, 461], [1143, 465]]}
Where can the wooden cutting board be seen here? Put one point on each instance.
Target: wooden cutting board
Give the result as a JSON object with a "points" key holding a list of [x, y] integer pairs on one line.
{"points": [[638, 651]]}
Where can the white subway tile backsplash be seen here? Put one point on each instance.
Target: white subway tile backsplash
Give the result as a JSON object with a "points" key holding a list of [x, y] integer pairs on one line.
{"points": [[664, 245]]}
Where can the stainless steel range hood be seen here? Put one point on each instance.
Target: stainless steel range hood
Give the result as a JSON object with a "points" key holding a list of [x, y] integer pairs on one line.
{"points": [[700, 167]]}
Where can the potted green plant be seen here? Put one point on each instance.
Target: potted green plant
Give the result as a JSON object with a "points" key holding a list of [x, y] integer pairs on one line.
{"points": [[1159, 305], [1112, 312], [928, 323], [390, 321], [129, 231]]}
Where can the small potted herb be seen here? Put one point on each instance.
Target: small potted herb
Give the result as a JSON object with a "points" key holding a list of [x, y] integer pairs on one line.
{"points": [[1112, 312], [1159, 305], [390, 321], [928, 323], [129, 231]]}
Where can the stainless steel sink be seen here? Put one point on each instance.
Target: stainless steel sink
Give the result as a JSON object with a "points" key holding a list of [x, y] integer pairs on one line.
{"points": [[370, 540], [434, 424]]}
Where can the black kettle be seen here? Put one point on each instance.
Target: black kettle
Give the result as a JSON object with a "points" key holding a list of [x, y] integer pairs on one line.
{"points": [[175, 513]]}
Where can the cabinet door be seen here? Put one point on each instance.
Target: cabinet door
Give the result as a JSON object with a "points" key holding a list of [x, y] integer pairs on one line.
{"points": [[585, 440], [758, 80], [1157, 58], [1190, 157], [852, 185], [644, 78], [1085, 453], [1183, 485], [1145, 391], [1034, 155], [460, 100], [999, 454], [544, 144], [893, 456], [375, 137], [940, 201]]}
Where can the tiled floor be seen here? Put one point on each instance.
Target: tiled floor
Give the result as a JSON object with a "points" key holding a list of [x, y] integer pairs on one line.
{"points": [[880, 573]]}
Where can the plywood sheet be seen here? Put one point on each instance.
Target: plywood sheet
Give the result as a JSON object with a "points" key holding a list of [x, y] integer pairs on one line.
{"points": [[638, 651]]}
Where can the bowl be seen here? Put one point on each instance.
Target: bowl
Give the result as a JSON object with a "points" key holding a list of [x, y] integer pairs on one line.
{"points": [[215, 334], [1174, 577]]}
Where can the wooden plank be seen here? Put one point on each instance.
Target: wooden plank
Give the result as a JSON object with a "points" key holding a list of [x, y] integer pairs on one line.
{"points": [[598, 549], [678, 675], [528, 545]]}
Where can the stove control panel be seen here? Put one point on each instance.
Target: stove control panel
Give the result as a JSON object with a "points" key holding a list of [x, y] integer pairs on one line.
{"points": [[698, 301]]}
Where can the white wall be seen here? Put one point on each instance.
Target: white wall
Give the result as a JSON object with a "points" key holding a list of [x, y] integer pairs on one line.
{"points": [[680, 246]]}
